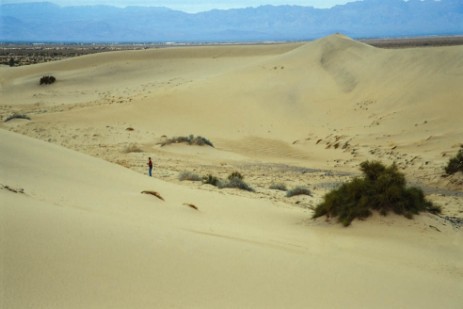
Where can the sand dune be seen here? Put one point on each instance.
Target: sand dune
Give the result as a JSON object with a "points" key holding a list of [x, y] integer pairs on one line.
{"points": [[78, 232], [82, 235]]}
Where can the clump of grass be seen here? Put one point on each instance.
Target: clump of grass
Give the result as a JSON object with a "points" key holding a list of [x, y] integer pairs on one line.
{"points": [[211, 180], [235, 175], [189, 176], [455, 164], [381, 189], [235, 180], [298, 191], [16, 116], [47, 80], [190, 140], [132, 148], [278, 186]]}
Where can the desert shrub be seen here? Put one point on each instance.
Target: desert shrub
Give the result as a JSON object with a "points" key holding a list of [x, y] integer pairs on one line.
{"points": [[235, 175], [455, 164], [189, 176], [16, 116], [235, 180], [211, 180], [278, 186], [47, 80], [132, 148], [190, 140], [201, 141], [298, 191], [381, 189]]}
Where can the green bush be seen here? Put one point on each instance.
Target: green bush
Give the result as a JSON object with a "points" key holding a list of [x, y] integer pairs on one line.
{"points": [[381, 189], [298, 191], [455, 164], [47, 80]]}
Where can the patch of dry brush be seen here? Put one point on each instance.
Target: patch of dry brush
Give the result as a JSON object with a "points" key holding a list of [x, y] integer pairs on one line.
{"points": [[189, 140]]}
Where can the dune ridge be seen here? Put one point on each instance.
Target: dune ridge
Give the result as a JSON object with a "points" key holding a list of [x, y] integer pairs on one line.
{"points": [[77, 232]]}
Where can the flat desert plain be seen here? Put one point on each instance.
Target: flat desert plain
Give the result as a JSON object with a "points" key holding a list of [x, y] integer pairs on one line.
{"points": [[76, 231]]}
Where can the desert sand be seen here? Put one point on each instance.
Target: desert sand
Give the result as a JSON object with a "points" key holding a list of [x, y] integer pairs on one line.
{"points": [[76, 231]]}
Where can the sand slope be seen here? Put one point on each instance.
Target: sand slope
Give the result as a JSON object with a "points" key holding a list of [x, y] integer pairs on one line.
{"points": [[78, 232], [82, 235]]}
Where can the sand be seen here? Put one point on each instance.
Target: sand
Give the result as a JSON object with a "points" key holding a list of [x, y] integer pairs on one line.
{"points": [[78, 233]]}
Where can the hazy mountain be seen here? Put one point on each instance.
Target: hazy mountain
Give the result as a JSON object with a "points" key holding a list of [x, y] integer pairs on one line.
{"points": [[369, 18]]}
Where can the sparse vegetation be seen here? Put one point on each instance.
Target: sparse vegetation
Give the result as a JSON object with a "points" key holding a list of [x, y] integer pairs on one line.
{"points": [[381, 189], [12, 189], [16, 116], [235, 175], [132, 148], [234, 180], [189, 176], [298, 191], [47, 80], [455, 164], [278, 186], [211, 180], [190, 140]]}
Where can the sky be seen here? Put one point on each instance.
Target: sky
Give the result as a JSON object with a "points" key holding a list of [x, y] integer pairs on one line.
{"points": [[192, 6]]}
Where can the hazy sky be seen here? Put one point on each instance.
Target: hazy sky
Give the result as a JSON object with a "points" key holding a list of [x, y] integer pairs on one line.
{"points": [[193, 5]]}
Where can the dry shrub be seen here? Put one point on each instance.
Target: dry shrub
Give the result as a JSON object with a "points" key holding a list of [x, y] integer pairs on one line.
{"points": [[299, 191], [14, 190], [237, 183], [278, 186], [190, 140], [132, 148], [189, 176], [234, 180], [211, 180], [16, 116]]}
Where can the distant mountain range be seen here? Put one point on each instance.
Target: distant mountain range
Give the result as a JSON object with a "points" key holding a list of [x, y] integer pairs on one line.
{"points": [[47, 22]]}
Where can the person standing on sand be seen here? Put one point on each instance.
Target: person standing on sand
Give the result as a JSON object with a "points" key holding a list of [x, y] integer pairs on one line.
{"points": [[150, 167]]}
